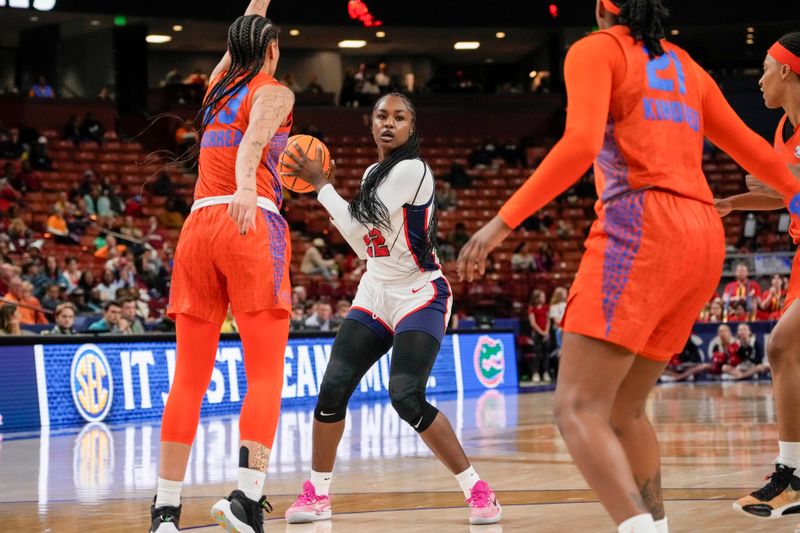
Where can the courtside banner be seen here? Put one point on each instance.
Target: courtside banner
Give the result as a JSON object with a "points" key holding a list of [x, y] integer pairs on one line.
{"points": [[19, 394], [110, 380]]}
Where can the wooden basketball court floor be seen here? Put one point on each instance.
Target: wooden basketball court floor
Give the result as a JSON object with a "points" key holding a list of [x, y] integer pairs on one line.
{"points": [[718, 441]]}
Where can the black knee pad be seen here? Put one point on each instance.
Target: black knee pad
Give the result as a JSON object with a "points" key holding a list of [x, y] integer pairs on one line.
{"points": [[413, 408], [331, 403]]}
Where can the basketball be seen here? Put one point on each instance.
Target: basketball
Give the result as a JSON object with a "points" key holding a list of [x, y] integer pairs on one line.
{"points": [[309, 145]]}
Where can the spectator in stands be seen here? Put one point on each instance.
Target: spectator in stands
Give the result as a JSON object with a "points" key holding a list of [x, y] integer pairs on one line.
{"points": [[539, 318], [19, 235], [544, 260], [110, 321], [742, 289], [482, 155], [133, 206], [685, 365], [771, 302], [52, 297], [91, 198], [716, 312], [129, 314], [321, 320], [288, 81], [186, 136], [748, 357], [87, 281], [41, 89], [163, 184], [558, 306], [39, 158], [106, 94], [57, 226], [9, 196], [342, 308], [738, 313], [458, 177], [513, 154], [197, 77], [723, 347], [7, 272], [72, 131], [65, 320], [71, 276], [446, 198], [91, 129], [173, 77], [459, 237], [51, 270], [9, 321], [32, 312], [298, 318], [382, 79], [315, 263], [313, 86], [172, 218], [299, 295], [348, 94], [522, 259]]}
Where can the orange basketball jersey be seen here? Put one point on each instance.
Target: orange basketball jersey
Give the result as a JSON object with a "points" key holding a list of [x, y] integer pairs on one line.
{"points": [[790, 151], [220, 142], [654, 134]]}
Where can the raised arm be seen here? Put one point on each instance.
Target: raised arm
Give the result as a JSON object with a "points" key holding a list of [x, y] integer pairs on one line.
{"points": [[271, 105], [728, 132], [255, 7], [589, 72]]}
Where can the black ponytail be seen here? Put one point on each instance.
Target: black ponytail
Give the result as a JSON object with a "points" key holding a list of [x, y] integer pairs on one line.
{"points": [[248, 39], [367, 207], [644, 18], [791, 41]]}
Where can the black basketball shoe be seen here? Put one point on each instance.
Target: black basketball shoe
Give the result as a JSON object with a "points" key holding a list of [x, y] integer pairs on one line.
{"points": [[779, 497], [239, 514], [165, 519]]}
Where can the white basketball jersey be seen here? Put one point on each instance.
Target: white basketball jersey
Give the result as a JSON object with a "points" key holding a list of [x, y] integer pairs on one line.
{"points": [[397, 254]]}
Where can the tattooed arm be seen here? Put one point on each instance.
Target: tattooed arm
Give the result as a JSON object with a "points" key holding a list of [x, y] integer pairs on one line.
{"points": [[271, 105], [255, 7]]}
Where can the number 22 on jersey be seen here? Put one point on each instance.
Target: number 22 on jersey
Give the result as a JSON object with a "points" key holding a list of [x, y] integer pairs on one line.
{"points": [[376, 244]]}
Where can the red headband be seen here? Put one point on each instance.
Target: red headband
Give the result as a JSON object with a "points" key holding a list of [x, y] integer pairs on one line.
{"points": [[782, 56], [611, 7]]}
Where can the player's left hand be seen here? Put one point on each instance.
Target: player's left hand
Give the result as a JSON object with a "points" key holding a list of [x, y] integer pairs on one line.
{"points": [[472, 258], [309, 170]]}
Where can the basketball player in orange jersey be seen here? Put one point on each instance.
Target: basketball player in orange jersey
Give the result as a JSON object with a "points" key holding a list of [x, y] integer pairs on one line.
{"points": [[639, 107], [780, 85], [234, 249]]}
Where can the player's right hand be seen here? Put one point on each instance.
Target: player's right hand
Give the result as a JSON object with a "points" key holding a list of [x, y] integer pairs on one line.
{"points": [[243, 208], [723, 206]]}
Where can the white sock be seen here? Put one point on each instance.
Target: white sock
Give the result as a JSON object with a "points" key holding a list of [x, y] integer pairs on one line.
{"points": [[641, 523], [321, 482], [789, 454], [661, 525], [467, 480], [168, 493], [251, 482]]}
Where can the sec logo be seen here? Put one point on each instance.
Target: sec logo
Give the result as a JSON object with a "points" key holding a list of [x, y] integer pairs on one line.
{"points": [[92, 386], [489, 360]]}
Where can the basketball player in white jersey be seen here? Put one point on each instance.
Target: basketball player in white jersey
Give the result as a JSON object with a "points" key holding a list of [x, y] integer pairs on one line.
{"points": [[403, 302]]}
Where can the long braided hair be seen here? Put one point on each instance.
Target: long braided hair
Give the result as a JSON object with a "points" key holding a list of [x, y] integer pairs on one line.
{"points": [[248, 39], [644, 18], [367, 207]]}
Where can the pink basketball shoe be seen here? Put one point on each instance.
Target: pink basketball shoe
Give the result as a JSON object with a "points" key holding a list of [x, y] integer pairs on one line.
{"points": [[484, 508], [309, 507]]}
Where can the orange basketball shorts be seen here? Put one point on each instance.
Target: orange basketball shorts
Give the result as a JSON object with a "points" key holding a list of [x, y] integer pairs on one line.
{"points": [[652, 261], [215, 265]]}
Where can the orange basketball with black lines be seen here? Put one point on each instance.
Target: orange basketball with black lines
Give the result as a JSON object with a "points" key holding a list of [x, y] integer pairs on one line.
{"points": [[309, 145]]}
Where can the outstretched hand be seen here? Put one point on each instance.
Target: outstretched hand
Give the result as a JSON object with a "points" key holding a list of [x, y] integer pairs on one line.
{"points": [[472, 258], [309, 170]]}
